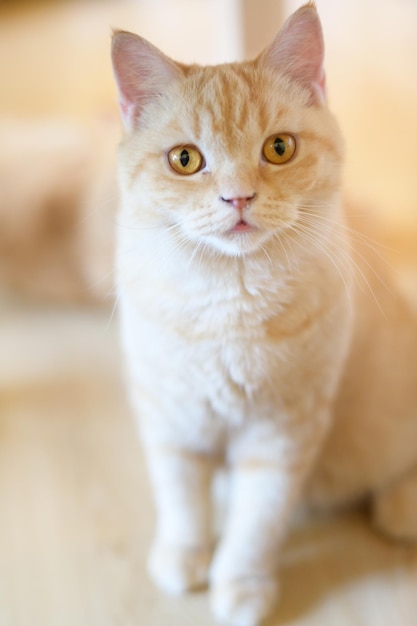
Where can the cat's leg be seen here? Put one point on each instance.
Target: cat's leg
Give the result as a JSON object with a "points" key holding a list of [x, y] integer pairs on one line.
{"points": [[394, 508], [244, 571], [182, 549]]}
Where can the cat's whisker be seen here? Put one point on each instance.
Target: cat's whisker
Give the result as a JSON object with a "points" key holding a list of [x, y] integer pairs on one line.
{"points": [[376, 246], [283, 243], [338, 229], [354, 271], [113, 313], [196, 249], [201, 249], [309, 237], [352, 233], [320, 237], [178, 241], [294, 256], [353, 252], [264, 250], [101, 280]]}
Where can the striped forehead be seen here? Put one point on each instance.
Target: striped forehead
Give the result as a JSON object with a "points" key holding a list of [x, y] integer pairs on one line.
{"points": [[227, 104]]}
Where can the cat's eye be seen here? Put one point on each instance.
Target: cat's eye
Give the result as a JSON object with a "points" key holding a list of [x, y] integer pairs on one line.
{"points": [[185, 160], [279, 149]]}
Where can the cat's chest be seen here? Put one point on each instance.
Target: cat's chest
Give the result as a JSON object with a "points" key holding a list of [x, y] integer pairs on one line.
{"points": [[216, 373], [228, 304], [247, 362], [209, 326], [214, 339]]}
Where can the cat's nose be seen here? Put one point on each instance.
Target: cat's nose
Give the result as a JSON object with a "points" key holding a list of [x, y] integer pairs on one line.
{"points": [[239, 203]]}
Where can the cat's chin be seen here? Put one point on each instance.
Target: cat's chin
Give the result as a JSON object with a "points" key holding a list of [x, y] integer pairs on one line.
{"points": [[239, 242]]}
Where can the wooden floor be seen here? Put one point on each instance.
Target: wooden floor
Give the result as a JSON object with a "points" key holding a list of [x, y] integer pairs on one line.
{"points": [[76, 515]]}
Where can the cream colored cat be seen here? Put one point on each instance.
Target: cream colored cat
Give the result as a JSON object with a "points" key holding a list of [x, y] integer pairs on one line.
{"points": [[256, 330]]}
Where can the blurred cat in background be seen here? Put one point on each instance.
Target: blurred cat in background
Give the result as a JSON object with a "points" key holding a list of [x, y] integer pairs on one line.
{"points": [[57, 198]]}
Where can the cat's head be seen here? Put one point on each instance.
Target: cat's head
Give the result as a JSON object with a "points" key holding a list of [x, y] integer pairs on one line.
{"points": [[229, 156]]}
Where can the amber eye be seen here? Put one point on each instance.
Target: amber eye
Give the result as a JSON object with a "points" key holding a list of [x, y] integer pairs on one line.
{"points": [[185, 160], [279, 149]]}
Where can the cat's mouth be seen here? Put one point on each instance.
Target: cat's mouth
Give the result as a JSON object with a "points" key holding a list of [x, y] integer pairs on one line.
{"points": [[242, 227], [243, 237]]}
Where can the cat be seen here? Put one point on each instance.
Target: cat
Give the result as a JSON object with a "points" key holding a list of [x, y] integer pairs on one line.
{"points": [[260, 330]]}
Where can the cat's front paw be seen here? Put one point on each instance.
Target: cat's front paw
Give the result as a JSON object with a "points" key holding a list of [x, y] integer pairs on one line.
{"points": [[177, 569], [244, 602]]}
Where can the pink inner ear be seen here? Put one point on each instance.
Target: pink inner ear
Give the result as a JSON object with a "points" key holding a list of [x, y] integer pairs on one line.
{"points": [[298, 51], [318, 88], [142, 73]]}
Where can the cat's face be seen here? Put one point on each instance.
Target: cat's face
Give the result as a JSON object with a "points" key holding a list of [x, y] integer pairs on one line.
{"points": [[229, 156]]}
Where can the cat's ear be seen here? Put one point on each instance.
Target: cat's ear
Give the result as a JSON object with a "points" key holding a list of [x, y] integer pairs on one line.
{"points": [[142, 74], [298, 51]]}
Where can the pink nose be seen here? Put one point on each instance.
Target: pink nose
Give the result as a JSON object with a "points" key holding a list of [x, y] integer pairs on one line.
{"points": [[239, 203]]}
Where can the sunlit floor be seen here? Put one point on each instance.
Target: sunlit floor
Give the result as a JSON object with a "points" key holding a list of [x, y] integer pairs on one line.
{"points": [[76, 515]]}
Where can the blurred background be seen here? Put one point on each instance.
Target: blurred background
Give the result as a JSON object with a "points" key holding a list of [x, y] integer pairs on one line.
{"points": [[72, 537]]}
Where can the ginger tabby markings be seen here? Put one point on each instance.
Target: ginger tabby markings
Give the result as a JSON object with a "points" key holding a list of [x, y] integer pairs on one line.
{"points": [[257, 326]]}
